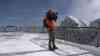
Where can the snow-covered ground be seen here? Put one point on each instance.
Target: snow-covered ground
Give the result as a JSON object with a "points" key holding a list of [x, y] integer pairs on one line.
{"points": [[36, 44]]}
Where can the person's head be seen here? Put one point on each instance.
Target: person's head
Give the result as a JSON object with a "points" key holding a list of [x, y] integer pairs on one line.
{"points": [[50, 11], [51, 14]]}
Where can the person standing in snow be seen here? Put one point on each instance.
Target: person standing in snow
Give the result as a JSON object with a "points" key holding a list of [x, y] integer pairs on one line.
{"points": [[50, 23]]}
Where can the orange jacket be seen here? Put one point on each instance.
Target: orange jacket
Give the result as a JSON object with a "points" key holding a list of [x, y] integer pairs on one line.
{"points": [[51, 24]]}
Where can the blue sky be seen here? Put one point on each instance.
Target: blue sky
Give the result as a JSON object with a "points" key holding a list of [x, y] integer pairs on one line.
{"points": [[28, 12]]}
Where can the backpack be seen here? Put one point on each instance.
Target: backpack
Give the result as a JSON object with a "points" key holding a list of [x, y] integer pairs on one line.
{"points": [[52, 17]]}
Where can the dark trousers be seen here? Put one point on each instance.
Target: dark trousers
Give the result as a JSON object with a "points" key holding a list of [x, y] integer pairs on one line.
{"points": [[51, 43]]}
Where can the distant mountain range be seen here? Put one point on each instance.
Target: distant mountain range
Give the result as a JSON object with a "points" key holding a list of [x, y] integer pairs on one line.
{"points": [[73, 22], [95, 23]]}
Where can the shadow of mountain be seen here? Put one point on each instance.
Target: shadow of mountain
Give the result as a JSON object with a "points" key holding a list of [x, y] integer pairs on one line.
{"points": [[21, 53]]}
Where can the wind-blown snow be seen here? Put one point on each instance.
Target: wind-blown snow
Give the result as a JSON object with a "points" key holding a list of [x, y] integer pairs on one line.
{"points": [[86, 10], [77, 21]]}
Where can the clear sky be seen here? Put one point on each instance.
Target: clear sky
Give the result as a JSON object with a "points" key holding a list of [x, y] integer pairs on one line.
{"points": [[30, 12]]}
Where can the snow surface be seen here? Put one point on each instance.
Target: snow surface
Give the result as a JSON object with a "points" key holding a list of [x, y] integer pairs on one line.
{"points": [[35, 44]]}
